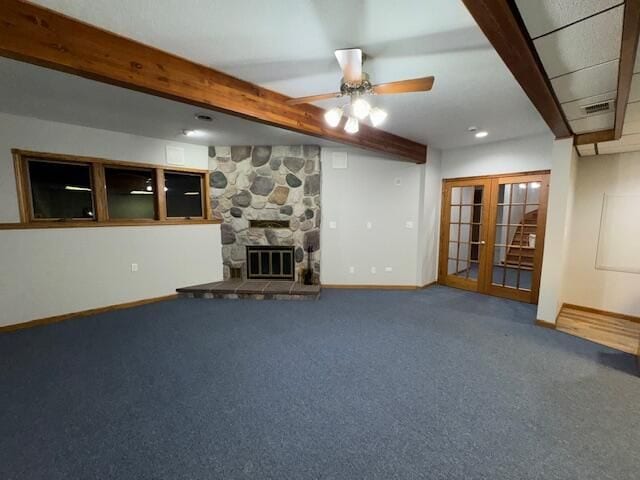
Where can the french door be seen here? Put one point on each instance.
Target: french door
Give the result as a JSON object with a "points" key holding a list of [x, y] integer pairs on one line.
{"points": [[492, 234]]}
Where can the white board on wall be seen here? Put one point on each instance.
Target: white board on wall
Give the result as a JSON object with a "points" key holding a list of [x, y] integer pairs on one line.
{"points": [[619, 238]]}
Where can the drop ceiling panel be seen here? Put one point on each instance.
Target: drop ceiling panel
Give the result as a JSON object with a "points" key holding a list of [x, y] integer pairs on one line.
{"points": [[586, 150], [602, 150], [589, 82], [593, 123], [573, 110], [633, 113], [625, 141], [543, 16], [634, 94], [630, 127], [591, 42]]}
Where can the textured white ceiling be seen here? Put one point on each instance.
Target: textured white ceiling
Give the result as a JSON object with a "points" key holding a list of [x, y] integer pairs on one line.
{"points": [[590, 42], [574, 111], [588, 82], [287, 45], [38, 92], [544, 16]]}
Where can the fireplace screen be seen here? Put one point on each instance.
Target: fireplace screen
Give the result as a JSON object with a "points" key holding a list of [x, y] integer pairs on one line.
{"points": [[270, 263]]}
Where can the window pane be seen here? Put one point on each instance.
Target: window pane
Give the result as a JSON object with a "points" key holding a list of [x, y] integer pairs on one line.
{"points": [[130, 193], [60, 190], [184, 195]]}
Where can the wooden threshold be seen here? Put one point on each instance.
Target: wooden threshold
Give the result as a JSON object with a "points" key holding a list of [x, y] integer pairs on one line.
{"points": [[37, 35], [617, 331], [84, 313]]}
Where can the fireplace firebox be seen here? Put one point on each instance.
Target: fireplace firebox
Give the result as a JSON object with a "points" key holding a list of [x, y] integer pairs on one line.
{"points": [[270, 263]]}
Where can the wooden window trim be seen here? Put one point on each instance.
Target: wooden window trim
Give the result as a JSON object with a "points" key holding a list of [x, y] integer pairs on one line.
{"points": [[98, 182], [203, 206]]}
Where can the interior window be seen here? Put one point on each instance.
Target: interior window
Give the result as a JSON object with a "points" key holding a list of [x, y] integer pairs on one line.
{"points": [[184, 194], [60, 190], [130, 193]]}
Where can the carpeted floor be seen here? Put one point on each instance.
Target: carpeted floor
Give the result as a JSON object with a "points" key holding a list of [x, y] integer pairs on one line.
{"points": [[433, 384]]}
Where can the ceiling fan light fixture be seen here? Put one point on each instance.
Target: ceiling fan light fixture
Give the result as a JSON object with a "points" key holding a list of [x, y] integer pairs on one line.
{"points": [[377, 116], [333, 116], [352, 125], [360, 108]]}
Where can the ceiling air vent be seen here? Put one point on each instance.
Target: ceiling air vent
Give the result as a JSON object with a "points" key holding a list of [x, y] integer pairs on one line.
{"points": [[597, 107]]}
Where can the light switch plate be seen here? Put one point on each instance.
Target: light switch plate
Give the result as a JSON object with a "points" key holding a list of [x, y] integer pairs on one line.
{"points": [[134, 267], [373, 270], [333, 225], [388, 269], [409, 224], [369, 225], [352, 269], [398, 182]]}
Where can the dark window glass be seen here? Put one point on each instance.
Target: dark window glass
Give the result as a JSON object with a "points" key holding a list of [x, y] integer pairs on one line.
{"points": [[184, 194], [60, 190], [130, 193]]}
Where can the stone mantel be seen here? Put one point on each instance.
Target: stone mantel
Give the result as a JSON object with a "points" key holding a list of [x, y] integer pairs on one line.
{"points": [[273, 183]]}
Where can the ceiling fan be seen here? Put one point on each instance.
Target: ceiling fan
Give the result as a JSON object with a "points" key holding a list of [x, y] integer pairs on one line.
{"points": [[356, 84]]}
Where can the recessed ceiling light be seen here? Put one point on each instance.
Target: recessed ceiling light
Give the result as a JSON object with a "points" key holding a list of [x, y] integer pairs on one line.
{"points": [[193, 133], [203, 117], [481, 134]]}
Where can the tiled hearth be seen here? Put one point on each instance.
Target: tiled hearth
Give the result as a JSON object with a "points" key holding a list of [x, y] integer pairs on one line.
{"points": [[254, 289]]}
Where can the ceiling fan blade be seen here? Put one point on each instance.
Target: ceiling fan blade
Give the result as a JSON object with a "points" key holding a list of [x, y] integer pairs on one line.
{"points": [[405, 86], [350, 60], [312, 98]]}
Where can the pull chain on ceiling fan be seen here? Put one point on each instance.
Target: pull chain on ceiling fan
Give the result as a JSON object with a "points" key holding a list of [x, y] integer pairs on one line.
{"points": [[356, 84]]}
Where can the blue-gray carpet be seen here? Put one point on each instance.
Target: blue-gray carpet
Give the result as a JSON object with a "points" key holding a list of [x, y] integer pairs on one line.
{"points": [[433, 384]]}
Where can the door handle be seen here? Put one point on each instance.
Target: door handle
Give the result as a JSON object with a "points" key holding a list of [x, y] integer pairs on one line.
{"points": [[483, 242]]}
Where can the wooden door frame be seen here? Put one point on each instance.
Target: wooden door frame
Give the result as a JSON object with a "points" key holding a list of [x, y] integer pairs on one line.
{"points": [[505, 292], [445, 217], [485, 271]]}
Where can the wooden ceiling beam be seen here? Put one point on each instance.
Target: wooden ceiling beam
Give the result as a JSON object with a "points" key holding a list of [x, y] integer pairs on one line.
{"points": [[628, 51], [37, 35], [594, 137], [501, 23]]}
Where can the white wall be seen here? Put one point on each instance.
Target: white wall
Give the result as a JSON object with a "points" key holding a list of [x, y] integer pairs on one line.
{"points": [[617, 174], [510, 156], [429, 228], [364, 192], [56, 271], [556, 241]]}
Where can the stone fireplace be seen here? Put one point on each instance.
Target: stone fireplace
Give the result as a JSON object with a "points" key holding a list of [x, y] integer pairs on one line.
{"points": [[267, 196]]}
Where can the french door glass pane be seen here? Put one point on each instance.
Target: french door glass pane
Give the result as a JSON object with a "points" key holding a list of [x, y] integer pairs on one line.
{"points": [[456, 195], [515, 235], [465, 231]]}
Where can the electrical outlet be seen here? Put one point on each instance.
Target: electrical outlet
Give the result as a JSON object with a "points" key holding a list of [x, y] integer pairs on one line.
{"points": [[409, 224], [134, 267], [373, 270], [388, 269], [369, 225], [333, 225], [352, 269], [397, 182]]}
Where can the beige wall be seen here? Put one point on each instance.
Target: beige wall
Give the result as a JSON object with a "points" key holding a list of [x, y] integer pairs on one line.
{"points": [[585, 285], [559, 210]]}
